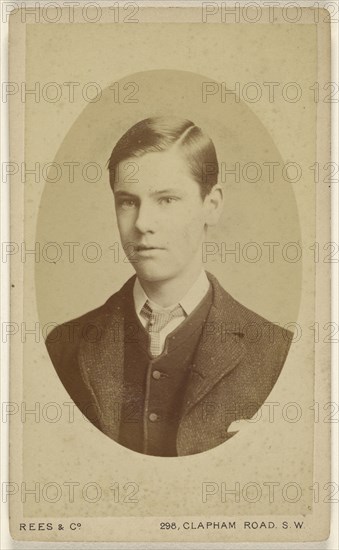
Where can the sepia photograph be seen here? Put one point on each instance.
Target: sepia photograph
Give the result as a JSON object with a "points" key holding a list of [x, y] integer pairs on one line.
{"points": [[170, 348], [172, 338]]}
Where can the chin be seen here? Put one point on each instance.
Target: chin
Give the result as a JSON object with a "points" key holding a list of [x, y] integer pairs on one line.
{"points": [[153, 274]]}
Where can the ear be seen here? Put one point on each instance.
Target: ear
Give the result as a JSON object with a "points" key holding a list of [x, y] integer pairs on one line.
{"points": [[214, 202]]}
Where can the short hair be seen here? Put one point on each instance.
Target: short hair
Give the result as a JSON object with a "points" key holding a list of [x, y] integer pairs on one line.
{"points": [[159, 134]]}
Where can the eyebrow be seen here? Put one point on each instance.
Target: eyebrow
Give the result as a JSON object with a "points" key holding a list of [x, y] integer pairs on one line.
{"points": [[170, 191], [124, 194]]}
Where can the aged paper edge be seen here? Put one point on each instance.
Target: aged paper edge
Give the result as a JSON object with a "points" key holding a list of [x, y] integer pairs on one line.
{"points": [[322, 381]]}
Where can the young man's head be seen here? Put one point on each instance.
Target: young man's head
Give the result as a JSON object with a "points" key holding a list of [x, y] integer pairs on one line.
{"points": [[164, 176]]}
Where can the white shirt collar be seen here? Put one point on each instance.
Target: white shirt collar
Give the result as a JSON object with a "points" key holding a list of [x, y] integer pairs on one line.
{"points": [[189, 302]]}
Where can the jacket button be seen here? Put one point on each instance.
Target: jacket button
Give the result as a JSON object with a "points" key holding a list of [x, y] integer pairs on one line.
{"points": [[153, 417], [156, 374]]}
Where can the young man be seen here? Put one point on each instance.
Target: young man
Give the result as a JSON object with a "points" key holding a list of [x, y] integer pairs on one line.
{"points": [[171, 360]]}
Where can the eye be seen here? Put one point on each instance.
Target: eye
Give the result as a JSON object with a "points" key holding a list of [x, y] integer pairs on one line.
{"points": [[168, 200], [127, 204]]}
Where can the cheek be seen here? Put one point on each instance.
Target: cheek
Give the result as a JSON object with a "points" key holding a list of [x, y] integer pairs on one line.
{"points": [[125, 223], [193, 221], [187, 217], [187, 232]]}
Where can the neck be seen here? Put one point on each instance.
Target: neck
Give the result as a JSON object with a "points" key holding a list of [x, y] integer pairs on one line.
{"points": [[170, 291]]}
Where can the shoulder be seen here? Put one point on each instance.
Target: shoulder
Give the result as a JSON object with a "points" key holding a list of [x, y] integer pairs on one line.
{"points": [[261, 336], [67, 336]]}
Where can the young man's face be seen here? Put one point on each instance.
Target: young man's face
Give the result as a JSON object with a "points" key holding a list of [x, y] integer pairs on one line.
{"points": [[161, 215]]}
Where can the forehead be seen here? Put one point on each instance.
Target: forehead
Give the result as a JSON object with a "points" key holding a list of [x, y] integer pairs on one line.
{"points": [[154, 170]]}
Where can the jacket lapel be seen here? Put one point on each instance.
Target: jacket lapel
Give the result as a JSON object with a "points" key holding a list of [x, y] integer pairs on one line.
{"points": [[101, 360], [220, 349], [101, 355]]}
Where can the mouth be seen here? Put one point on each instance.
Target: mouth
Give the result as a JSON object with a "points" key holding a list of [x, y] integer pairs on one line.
{"points": [[145, 248]]}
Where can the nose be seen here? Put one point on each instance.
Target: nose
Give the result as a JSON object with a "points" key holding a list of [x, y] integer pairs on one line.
{"points": [[145, 221]]}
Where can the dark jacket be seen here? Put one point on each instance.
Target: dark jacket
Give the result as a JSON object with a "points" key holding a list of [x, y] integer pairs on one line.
{"points": [[237, 362]]}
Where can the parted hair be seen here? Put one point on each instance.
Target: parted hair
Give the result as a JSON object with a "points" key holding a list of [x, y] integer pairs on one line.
{"points": [[159, 134]]}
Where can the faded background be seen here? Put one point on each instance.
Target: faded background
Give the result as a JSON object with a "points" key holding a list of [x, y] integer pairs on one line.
{"points": [[167, 63]]}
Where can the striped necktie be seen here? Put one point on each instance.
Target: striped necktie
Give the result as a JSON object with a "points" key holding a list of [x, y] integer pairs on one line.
{"points": [[157, 320]]}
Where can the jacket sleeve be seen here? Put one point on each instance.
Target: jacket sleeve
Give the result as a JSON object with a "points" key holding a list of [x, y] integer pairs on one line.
{"points": [[62, 345]]}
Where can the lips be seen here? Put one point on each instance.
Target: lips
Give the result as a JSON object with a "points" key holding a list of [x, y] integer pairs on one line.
{"points": [[143, 247]]}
